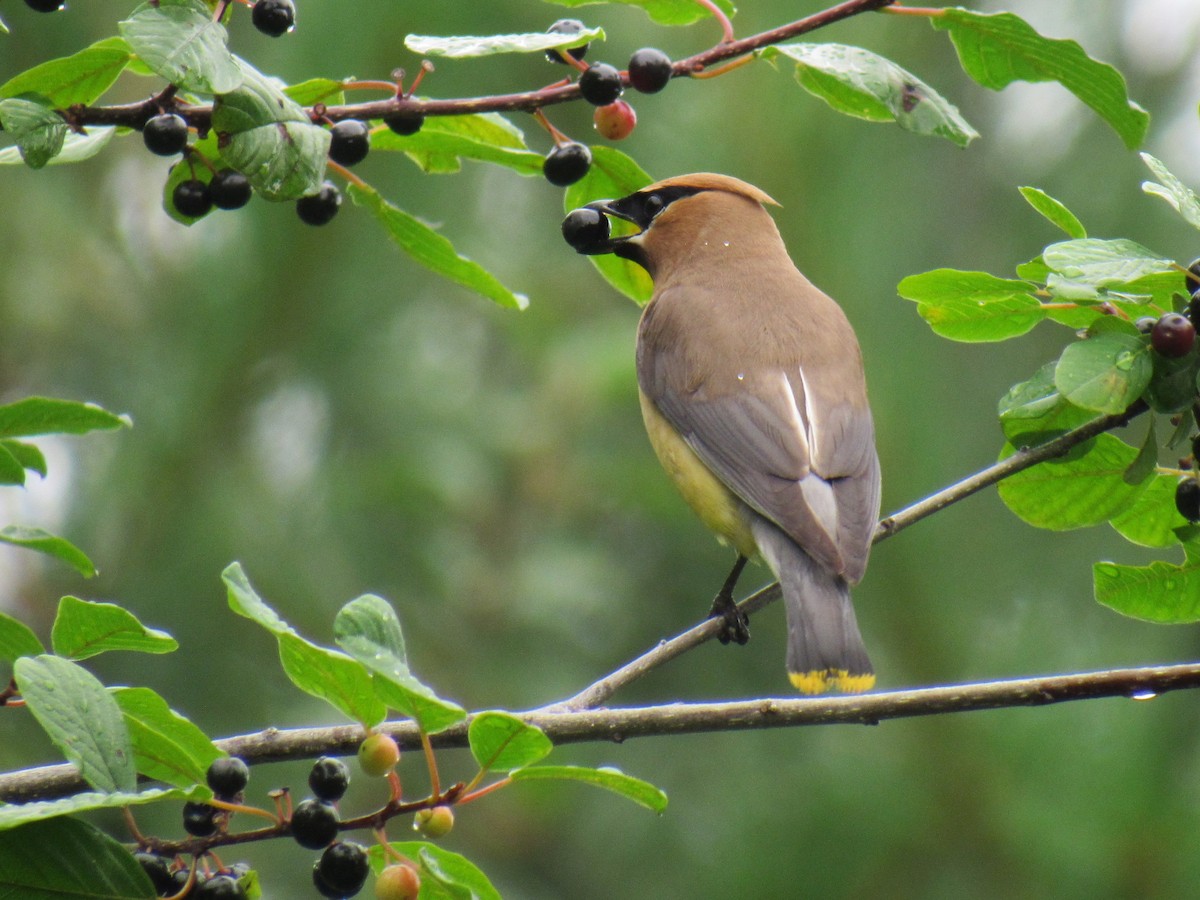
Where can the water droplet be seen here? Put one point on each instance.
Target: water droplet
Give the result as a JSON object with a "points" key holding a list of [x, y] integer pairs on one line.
{"points": [[741, 376], [1125, 362], [1143, 695], [726, 243]]}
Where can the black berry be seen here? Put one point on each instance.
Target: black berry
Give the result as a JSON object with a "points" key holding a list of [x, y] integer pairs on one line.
{"points": [[199, 819], [158, 870], [1193, 307], [191, 198], [329, 778], [273, 17], [405, 122], [45, 5], [165, 135], [1196, 446], [1146, 324], [649, 70], [219, 887], [567, 163], [227, 777], [566, 26], [321, 207], [1193, 276], [314, 824], [600, 84], [585, 228], [350, 141], [1187, 499], [1173, 335], [229, 189], [342, 868]]}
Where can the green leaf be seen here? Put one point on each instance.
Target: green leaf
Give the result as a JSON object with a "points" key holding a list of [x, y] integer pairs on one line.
{"points": [[44, 542], [75, 148], [640, 792], [502, 742], [271, 139], [444, 875], [1105, 373], [44, 415], [38, 130], [63, 858], [664, 12], [367, 629], [17, 639], [1085, 487], [973, 306], [166, 746], [1145, 462], [1181, 197], [465, 46], [998, 49], [1160, 592], [80, 78], [179, 40], [1054, 211], [324, 673], [1173, 386], [27, 455], [22, 813], [1152, 519], [862, 84], [432, 250], [613, 175], [11, 470], [1080, 268], [81, 718], [444, 141], [84, 628], [316, 90]]}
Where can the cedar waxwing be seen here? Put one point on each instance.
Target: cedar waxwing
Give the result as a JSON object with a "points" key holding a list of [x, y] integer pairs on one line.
{"points": [[754, 397]]}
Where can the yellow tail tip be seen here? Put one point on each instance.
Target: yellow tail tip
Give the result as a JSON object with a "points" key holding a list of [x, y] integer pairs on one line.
{"points": [[819, 681]]}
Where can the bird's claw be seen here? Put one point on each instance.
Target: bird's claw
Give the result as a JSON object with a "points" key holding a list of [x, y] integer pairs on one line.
{"points": [[735, 625]]}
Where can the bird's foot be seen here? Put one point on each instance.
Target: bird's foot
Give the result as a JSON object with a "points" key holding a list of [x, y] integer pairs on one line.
{"points": [[735, 623]]}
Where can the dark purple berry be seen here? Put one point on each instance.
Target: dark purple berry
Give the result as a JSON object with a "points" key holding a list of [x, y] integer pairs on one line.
{"points": [[649, 70], [165, 135], [158, 870], [405, 122], [343, 867], [45, 5], [321, 207], [314, 824], [274, 17], [566, 26], [191, 198], [1193, 276], [1173, 335], [350, 141], [567, 163], [601, 84], [227, 777], [585, 228], [1187, 499], [1146, 324], [199, 819], [329, 778], [230, 189], [219, 887]]}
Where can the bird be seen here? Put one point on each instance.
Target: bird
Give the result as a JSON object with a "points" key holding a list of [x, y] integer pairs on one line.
{"points": [[754, 397]]}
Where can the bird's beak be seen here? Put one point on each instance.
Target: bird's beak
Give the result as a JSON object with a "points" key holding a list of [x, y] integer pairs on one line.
{"points": [[589, 231]]}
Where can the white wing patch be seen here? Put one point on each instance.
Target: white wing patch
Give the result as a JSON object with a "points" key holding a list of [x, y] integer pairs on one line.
{"points": [[795, 419]]}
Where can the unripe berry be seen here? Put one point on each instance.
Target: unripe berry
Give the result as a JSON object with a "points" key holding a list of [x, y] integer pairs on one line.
{"points": [[585, 228], [274, 17], [1173, 335], [434, 823], [601, 84], [321, 207], [649, 70], [378, 755], [350, 141], [566, 163], [342, 868], [615, 121], [314, 824], [1187, 498], [227, 776], [165, 135], [566, 26], [398, 882], [329, 778]]}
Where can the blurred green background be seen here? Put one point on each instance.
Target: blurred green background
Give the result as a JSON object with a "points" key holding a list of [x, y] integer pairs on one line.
{"points": [[313, 404]]}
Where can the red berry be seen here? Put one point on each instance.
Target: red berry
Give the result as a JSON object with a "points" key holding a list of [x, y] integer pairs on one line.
{"points": [[1174, 335], [649, 70], [615, 121], [399, 882]]}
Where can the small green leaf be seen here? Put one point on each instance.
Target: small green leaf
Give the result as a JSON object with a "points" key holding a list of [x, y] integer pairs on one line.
{"points": [[465, 46], [1105, 373], [84, 628], [640, 792], [1181, 197], [44, 542], [1082, 268], [1152, 518], [44, 415], [80, 78], [1054, 212], [433, 251], [11, 470], [502, 742], [444, 875], [38, 130], [166, 746], [1160, 592], [62, 857], [75, 148], [664, 12], [998, 49], [16, 814], [17, 639], [81, 718], [179, 40], [1144, 463], [973, 306], [316, 90], [29, 456]]}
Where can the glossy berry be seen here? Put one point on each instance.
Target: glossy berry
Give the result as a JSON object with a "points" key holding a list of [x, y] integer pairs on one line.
{"points": [[566, 26], [1146, 324], [405, 122], [329, 778], [191, 198], [649, 70], [615, 121], [274, 17], [229, 189], [567, 163], [1193, 276], [219, 887], [1187, 499], [342, 868], [601, 84], [165, 135], [1193, 307], [434, 823], [1173, 335], [350, 141], [227, 776], [399, 882], [45, 5], [199, 819], [378, 755], [321, 207], [314, 824], [158, 870], [585, 229]]}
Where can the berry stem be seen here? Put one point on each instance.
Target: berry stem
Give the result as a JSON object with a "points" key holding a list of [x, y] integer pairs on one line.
{"points": [[435, 785], [898, 10], [131, 824], [348, 175], [426, 68], [728, 67], [559, 137], [238, 807], [389, 86], [219, 9], [470, 795], [719, 15]]}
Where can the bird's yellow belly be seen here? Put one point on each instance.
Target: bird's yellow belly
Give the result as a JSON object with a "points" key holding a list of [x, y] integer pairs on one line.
{"points": [[714, 503]]}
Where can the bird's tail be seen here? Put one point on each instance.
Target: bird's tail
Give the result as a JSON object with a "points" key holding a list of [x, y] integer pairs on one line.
{"points": [[825, 648]]}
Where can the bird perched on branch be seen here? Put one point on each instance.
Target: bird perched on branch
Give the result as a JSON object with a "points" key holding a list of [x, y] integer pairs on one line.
{"points": [[754, 397]]}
